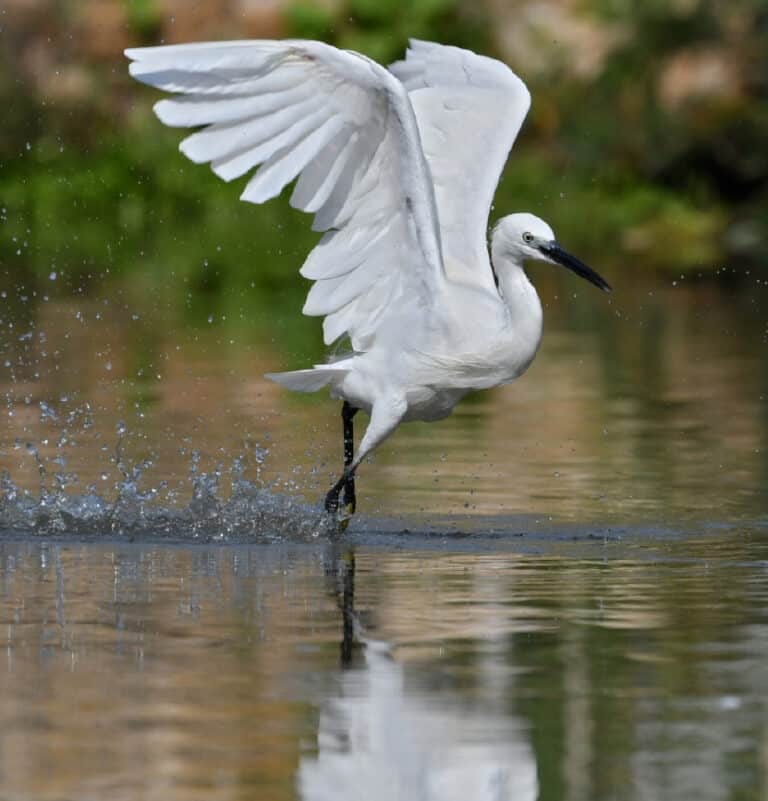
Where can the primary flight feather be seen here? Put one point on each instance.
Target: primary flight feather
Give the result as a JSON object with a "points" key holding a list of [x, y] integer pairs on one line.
{"points": [[399, 167]]}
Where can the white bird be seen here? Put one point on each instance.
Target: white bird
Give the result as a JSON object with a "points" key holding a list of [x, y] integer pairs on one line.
{"points": [[399, 167]]}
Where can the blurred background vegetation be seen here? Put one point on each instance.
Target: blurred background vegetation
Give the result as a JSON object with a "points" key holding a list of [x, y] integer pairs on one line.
{"points": [[645, 148], [647, 137]]}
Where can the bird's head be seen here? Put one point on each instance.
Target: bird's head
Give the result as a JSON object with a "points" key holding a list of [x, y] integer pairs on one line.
{"points": [[524, 236]]}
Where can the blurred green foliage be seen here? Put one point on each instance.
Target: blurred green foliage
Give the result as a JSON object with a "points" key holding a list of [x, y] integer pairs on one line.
{"points": [[133, 204], [145, 19], [94, 188], [704, 147], [381, 28]]}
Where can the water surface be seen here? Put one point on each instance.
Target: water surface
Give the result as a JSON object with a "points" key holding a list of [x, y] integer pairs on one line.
{"points": [[558, 593], [629, 668], [645, 407]]}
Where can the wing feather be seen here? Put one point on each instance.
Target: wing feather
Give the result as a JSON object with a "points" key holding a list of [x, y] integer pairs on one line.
{"points": [[238, 137], [357, 244], [191, 110], [285, 164], [469, 110], [346, 128], [318, 179]]}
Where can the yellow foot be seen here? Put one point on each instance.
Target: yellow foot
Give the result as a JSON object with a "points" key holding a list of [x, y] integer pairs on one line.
{"points": [[344, 515]]}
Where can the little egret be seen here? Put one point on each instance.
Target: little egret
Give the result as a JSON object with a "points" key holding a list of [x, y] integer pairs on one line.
{"points": [[399, 167]]}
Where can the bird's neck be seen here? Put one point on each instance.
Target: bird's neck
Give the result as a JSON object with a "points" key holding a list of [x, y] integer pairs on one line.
{"points": [[519, 296]]}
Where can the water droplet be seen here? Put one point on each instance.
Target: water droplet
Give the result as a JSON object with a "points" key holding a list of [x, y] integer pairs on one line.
{"points": [[47, 413]]}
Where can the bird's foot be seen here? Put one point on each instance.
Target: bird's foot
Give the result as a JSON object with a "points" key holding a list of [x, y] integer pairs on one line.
{"points": [[348, 506], [344, 516], [348, 503], [349, 499], [344, 513]]}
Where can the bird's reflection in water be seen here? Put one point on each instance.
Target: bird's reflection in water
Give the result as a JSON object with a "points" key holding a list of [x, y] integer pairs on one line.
{"points": [[379, 741]]}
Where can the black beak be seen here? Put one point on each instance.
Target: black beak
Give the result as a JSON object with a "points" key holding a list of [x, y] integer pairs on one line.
{"points": [[556, 253]]}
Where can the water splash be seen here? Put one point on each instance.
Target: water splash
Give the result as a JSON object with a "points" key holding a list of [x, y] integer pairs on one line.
{"points": [[250, 511]]}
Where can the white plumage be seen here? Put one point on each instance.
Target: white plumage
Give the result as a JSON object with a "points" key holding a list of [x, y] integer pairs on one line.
{"points": [[399, 168]]}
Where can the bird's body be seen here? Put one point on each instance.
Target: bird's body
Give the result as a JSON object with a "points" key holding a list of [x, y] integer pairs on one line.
{"points": [[399, 167], [474, 341]]}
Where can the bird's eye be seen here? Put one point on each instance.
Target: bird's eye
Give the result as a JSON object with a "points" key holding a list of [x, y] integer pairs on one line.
{"points": [[528, 237]]}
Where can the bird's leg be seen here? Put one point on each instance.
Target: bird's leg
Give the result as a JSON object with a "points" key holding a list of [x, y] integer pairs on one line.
{"points": [[347, 480], [332, 498], [385, 417]]}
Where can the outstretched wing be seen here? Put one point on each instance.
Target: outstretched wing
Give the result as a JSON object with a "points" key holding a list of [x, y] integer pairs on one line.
{"points": [[345, 126], [469, 109]]}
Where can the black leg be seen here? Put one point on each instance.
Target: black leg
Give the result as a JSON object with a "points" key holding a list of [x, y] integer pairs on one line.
{"points": [[347, 480], [332, 498]]}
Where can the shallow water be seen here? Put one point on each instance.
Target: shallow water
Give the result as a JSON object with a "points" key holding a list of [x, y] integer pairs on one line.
{"points": [[558, 593], [649, 406], [584, 668]]}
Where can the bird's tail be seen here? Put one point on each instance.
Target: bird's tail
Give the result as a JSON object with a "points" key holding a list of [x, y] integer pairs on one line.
{"points": [[308, 380]]}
